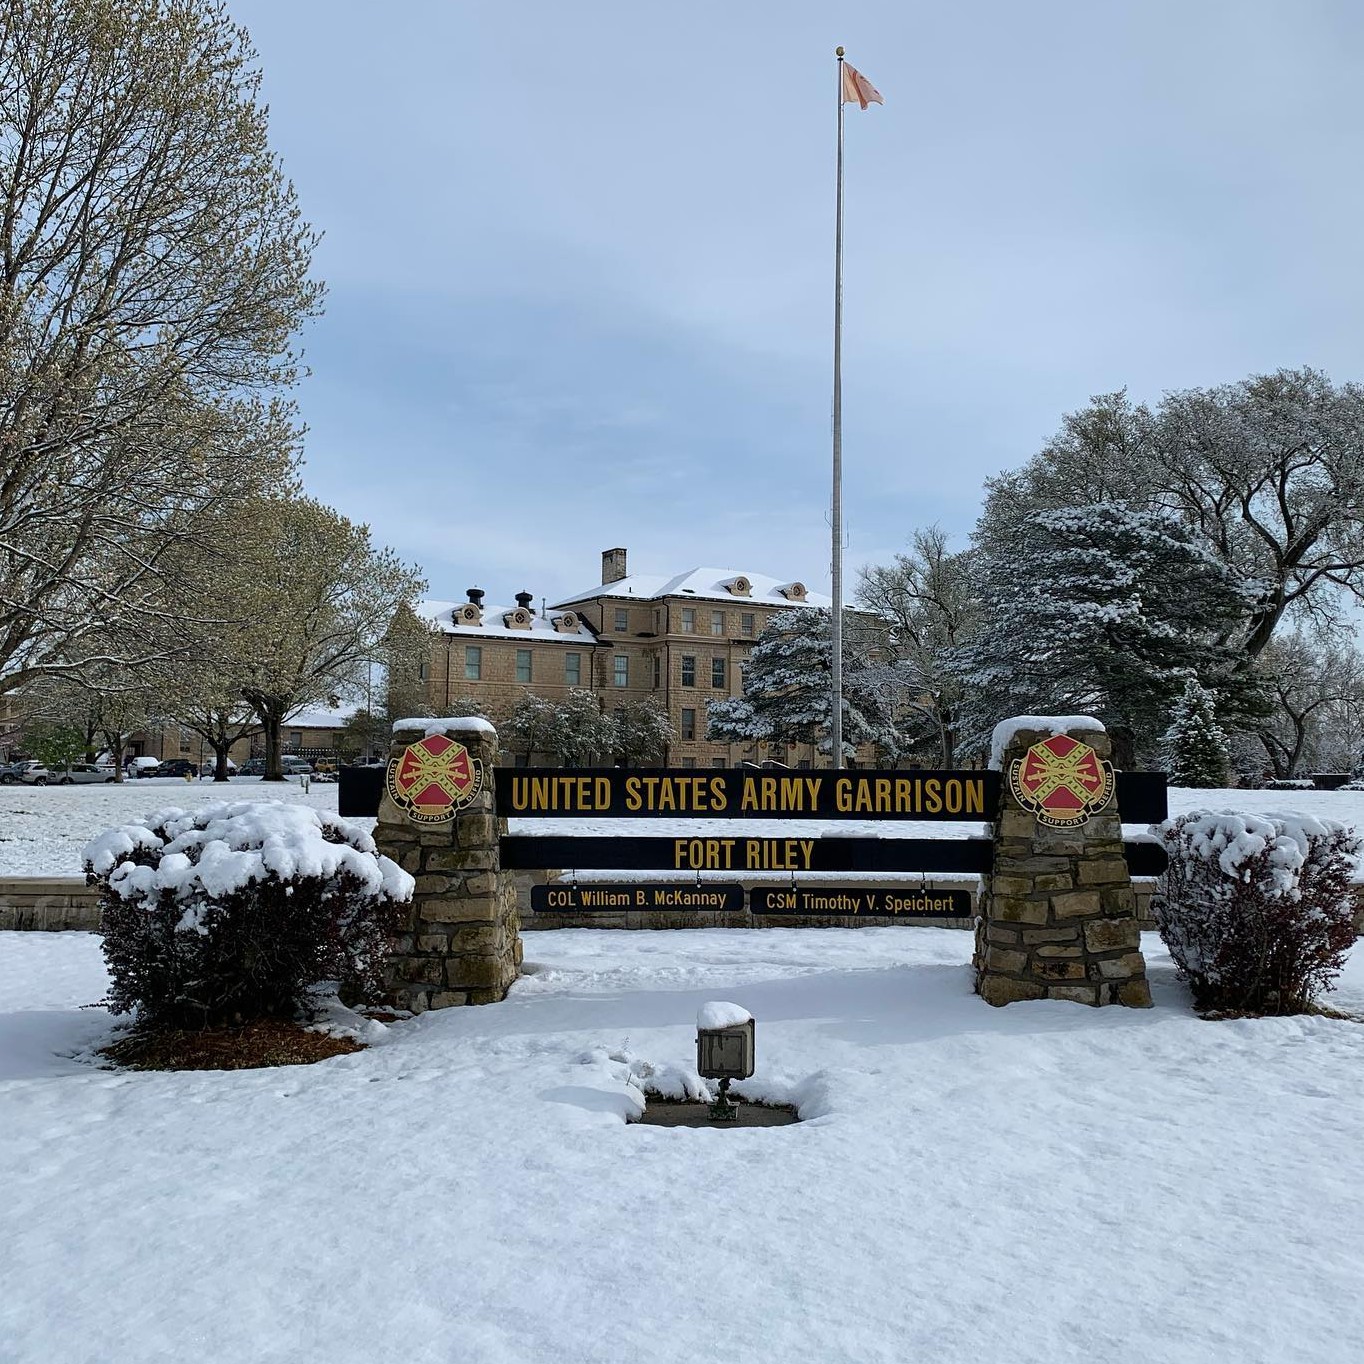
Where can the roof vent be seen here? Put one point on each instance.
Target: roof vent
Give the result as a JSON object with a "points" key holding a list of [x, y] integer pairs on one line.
{"points": [[475, 595], [524, 599], [792, 591]]}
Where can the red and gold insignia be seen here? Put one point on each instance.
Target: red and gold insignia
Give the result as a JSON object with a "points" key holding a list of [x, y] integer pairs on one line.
{"points": [[1062, 781], [432, 780]]}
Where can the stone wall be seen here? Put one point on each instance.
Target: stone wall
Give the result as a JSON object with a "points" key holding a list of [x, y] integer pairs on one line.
{"points": [[48, 903], [459, 943], [1058, 911]]}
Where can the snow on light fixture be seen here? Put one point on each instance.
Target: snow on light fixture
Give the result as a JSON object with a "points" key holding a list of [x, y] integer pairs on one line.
{"points": [[725, 1047]]}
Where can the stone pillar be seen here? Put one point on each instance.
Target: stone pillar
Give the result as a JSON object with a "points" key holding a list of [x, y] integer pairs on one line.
{"points": [[460, 941], [1058, 912]]}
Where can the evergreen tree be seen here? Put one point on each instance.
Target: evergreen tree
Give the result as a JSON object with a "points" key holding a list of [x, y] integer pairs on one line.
{"points": [[1101, 610], [788, 688], [1195, 749]]}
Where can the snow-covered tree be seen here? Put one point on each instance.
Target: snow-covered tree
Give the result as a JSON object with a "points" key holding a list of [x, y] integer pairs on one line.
{"points": [[1100, 610], [643, 732], [788, 687], [1315, 720], [1267, 474], [928, 599], [572, 731], [1194, 748]]}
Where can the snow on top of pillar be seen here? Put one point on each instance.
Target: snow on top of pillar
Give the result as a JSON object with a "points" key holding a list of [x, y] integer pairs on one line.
{"points": [[450, 724], [1047, 724]]}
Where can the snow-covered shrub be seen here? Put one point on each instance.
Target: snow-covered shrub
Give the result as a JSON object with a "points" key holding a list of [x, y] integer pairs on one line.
{"points": [[1290, 784], [1257, 910], [233, 911]]}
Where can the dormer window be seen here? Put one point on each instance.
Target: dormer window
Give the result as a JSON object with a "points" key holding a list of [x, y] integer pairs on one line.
{"points": [[520, 619], [738, 586], [566, 624], [792, 591]]}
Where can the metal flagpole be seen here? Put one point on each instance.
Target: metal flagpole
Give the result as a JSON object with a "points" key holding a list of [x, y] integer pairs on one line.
{"points": [[836, 516]]}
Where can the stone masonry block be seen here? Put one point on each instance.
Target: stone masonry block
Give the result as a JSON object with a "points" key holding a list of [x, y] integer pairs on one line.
{"points": [[1010, 885], [1108, 935], [1135, 994], [1122, 968], [1102, 872], [1015, 910], [1078, 994], [1075, 904], [999, 990], [1055, 882], [1001, 959], [458, 911]]}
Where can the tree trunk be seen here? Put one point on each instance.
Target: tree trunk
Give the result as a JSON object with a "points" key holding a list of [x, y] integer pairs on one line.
{"points": [[220, 758]]}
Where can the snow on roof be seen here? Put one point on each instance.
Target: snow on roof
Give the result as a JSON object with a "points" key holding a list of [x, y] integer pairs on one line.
{"points": [[706, 583], [440, 614], [322, 717]]}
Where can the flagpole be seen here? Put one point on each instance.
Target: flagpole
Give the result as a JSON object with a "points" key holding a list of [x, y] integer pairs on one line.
{"points": [[836, 510]]}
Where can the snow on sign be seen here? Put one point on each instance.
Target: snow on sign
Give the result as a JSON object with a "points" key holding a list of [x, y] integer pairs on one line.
{"points": [[1062, 781], [432, 780]]}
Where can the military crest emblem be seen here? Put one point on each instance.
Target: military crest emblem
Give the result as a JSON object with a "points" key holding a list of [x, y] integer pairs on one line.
{"points": [[1062, 781], [432, 780]]}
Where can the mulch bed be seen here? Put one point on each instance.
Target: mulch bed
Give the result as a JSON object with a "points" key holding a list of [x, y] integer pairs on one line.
{"points": [[268, 1042]]}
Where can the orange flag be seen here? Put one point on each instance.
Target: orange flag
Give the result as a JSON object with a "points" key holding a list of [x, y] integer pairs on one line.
{"points": [[857, 87]]}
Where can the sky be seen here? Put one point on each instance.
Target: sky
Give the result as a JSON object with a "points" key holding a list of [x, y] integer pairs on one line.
{"points": [[580, 257]]}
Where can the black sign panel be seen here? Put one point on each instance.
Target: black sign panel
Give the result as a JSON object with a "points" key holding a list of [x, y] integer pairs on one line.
{"points": [[557, 793], [746, 855], [737, 854], [889, 901], [615, 897], [744, 793]]}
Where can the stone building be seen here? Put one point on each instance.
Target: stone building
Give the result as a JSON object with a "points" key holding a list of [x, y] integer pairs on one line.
{"points": [[681, 640]]}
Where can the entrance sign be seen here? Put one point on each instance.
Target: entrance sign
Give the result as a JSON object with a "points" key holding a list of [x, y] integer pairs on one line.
{"points": [[1062, 781], [617, 897], [432, 780], [739, 793], [890, 901]]}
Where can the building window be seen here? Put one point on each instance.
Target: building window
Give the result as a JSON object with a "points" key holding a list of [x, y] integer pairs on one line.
{"points": [[523, 665], [622, 618], [473, 662], [718, 762], [688, 670], [423, 670], [621, 675], [658, 671], [688, 620], [717, 622], [803, 765], [746, 624], [686, 762], [688, 722], [573, 669], [717, 673]]}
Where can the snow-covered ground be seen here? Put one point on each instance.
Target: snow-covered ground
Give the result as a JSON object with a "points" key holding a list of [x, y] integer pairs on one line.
{"points": [[1043, 1182], [43, 829]]}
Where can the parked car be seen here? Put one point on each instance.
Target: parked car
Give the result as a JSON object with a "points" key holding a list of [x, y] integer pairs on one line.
{"points": [[33, 773], [176, 767], [10, 772], [145, 767], [295, 766], [252, 767], [84, 774]]}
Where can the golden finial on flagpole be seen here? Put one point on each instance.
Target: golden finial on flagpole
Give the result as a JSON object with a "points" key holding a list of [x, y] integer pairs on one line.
{"points": [[838, 52]]}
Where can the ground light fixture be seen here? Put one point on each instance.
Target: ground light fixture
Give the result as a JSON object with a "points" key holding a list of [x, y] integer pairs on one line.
{"points": [[725, 1048]]}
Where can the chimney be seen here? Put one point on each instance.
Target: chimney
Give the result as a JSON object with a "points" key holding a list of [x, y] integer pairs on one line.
{"points": [[524, 599], [612, 566], [475, 595]]}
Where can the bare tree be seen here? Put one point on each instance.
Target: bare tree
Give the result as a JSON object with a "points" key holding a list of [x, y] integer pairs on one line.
{"points": [[153, 272], [929, 602]]}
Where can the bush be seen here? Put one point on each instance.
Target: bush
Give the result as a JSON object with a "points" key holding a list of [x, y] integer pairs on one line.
{"points": [[1257, 911], [1290, 784], [232, 912]]}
